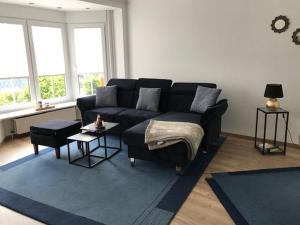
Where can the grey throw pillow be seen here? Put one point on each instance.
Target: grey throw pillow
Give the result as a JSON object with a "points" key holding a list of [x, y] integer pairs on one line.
{"points": [[149, 99], [204, 98], [106, 96]]}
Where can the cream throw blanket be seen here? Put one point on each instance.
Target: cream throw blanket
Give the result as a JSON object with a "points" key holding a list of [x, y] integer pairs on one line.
{"points": [[160, 134]]}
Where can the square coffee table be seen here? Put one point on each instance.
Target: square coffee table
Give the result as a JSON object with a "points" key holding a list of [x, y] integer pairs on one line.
{"points": [[91, 133]]}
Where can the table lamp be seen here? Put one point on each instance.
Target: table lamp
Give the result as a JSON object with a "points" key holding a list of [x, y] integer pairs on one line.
{"points": [[273, 91]]}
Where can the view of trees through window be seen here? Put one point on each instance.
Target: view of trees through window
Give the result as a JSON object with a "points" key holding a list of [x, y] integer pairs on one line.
{"points": [[14, 90], [52, 86], [89, 82]]}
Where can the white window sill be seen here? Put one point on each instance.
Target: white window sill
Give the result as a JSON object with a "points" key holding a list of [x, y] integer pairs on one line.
{"points": [[32, 111]]}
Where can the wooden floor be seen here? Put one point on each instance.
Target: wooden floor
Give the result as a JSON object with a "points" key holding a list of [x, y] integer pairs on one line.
{"points": [[202, 207]]}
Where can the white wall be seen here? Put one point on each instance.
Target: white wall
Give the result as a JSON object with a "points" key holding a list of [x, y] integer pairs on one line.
{"points": [[119, 43], [228, 42]]}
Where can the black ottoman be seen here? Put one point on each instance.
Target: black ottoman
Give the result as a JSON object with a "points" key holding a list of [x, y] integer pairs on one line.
{"points": [[53, 134]]}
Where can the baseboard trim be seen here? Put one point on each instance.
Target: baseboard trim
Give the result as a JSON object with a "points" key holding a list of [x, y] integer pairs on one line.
{"points": [[259, 139]]}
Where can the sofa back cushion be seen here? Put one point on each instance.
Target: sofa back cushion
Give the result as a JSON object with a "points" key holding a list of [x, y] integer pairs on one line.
{"points": [[181, 95], [126, 89], [163, 84]]}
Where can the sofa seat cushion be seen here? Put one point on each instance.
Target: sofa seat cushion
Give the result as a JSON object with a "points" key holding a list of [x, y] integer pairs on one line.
{"points": [[135, 135], [132, 117], [107, 114], [60, 128]]}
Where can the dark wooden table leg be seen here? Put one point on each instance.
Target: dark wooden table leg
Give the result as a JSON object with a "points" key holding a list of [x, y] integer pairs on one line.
{"points": [[57, 152], [36, 149]]}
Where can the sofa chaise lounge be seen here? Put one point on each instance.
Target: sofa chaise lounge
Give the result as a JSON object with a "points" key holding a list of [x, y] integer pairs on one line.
{"points": [[175, 103]]}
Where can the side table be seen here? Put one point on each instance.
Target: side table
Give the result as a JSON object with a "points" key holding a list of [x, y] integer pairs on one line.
{"points": [[273, 148]]}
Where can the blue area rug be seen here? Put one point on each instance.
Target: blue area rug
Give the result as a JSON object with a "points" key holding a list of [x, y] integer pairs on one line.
{"points": [[112, 193], [260, 197]]}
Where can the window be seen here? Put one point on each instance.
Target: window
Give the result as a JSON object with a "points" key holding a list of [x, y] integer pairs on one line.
{"points": [[14, 74], [50, 62], [89, 59], [34, 62]]}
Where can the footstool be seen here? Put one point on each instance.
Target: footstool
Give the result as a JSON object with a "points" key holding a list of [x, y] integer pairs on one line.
{"points": [[53, 134]]}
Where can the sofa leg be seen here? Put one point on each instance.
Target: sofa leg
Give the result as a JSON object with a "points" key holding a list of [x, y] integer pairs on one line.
{"points": [[36, 149], [179, 170], [132, 161], [57, 153]]}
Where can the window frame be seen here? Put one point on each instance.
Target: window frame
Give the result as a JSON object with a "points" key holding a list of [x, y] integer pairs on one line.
{"points": [[68, 97], [31, 81], [73, 69]]}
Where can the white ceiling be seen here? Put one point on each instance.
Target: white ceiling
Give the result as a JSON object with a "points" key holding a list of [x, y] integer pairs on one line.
{"points": [[66, 5]]}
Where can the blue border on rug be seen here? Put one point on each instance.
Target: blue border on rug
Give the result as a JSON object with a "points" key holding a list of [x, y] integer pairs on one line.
{"points": [[234, 213], [176, 196], [41, 212], [228, 205], [171, 202]]}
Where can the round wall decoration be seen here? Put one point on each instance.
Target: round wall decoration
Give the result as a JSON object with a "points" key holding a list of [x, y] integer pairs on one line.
{"points": [[296, 36], [280, 24]]}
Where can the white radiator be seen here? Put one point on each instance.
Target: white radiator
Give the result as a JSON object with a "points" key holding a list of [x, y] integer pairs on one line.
{"points": [[22, 125]]}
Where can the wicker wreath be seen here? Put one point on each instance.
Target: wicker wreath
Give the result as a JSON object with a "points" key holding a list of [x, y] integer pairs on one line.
{"points": [[286, 24], [296, 36]]}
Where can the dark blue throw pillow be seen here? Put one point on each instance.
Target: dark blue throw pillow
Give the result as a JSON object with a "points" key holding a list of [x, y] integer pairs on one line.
{"points": [[149, 99], [204, 98], [106, 96]]}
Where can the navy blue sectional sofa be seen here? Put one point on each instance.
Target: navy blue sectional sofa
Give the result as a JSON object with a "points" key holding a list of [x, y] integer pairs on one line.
{"points": [[175, 105]]}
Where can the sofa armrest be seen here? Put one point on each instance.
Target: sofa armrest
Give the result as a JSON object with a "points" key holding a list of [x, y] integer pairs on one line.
{"points": [[212, 121], [86, 103], [218, 109]]}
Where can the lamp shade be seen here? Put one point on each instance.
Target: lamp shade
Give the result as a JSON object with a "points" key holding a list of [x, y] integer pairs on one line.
{"points": [[273, 91]]}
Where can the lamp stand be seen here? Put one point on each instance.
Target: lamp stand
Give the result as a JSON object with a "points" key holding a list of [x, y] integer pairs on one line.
{"points": [[273, 103]]}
